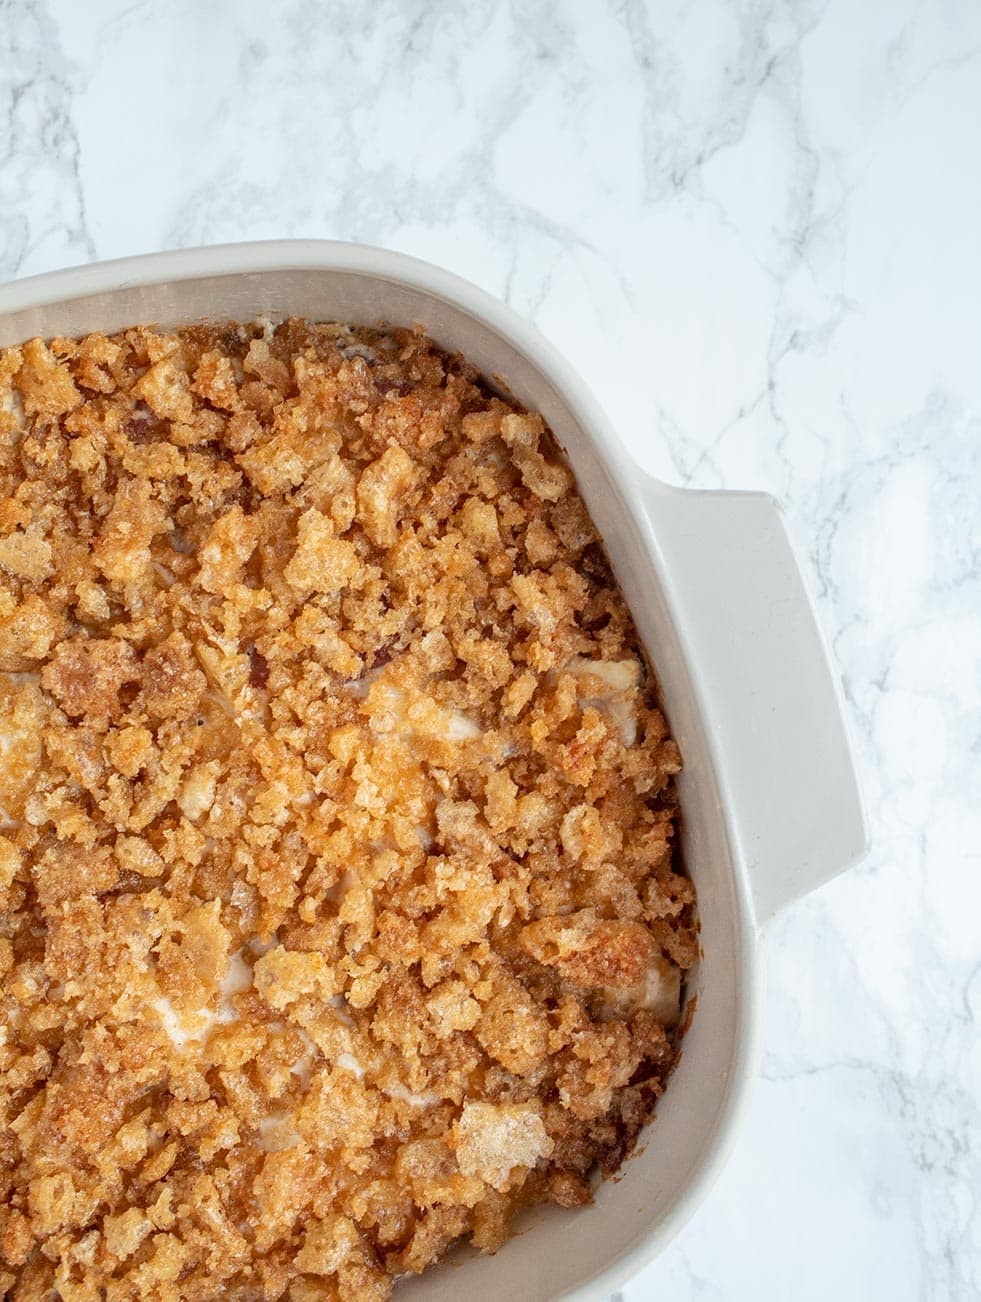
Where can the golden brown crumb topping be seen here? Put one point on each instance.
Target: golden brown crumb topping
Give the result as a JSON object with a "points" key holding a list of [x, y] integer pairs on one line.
{"points": [[338, 913]]}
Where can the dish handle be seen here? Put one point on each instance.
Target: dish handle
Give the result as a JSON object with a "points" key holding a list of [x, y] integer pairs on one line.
{"points": [[771, 695]]}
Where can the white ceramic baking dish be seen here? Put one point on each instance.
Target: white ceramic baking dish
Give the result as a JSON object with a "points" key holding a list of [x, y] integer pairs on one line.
{"points": [[771, 806]]}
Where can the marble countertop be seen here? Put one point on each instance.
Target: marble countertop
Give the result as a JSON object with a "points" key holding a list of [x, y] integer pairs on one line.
{"points": [[754, 227]]}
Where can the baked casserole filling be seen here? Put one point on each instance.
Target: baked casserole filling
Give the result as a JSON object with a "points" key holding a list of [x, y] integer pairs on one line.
{"points": [[338, 919]]}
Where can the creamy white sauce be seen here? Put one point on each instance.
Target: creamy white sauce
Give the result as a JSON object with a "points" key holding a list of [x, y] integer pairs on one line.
{"points": [[197, 793], [339, 1005], [196, 1026], [182, 1031], [460, 727], [348, 1062], [662, 991], [394, 717], [276, 1132], [659, 993], [304, 1063], [257, 947], [360, 687], [13, 405], [237, 979], [165, 575], [415, 1100], [622, 678]]}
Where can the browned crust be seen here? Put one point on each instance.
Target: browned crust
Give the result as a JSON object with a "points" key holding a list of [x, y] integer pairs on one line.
{"points": [[303, 731]]}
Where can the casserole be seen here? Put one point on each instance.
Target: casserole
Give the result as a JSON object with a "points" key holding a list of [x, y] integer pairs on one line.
{"points": [[769, 798]]}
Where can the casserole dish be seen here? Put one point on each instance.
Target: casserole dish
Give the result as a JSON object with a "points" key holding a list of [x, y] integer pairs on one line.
{"points": [[770, 804]]}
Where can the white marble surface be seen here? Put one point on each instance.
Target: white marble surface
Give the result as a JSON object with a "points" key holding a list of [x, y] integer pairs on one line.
{"points": [[755, 227]]}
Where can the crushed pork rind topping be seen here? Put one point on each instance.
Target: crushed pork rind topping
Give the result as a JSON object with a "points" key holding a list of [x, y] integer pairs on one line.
{"points": [[336, 811]]}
